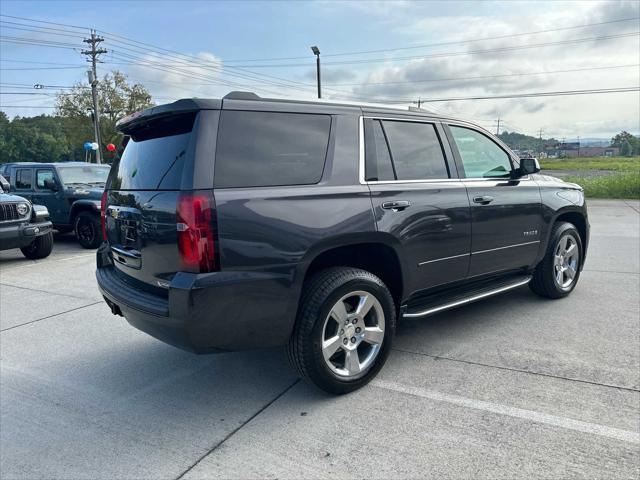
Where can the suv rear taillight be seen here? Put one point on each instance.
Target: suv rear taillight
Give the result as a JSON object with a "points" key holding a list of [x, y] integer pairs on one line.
{"points": [[103, 207], [195, 221]]}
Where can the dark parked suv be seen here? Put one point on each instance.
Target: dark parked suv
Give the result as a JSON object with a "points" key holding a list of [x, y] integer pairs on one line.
{"points": [[23, 225], [246, 222], [70, 190]]}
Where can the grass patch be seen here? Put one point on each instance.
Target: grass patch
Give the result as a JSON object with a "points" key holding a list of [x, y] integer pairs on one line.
{"points": [[620, 185], [592, 163]]}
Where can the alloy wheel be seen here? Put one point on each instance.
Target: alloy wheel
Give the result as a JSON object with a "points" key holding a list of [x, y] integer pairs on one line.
{"points": [[566, 261], [353, 333]]}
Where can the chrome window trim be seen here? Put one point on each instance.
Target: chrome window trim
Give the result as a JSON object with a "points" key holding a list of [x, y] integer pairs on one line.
{"points": [[361, 161], [361, 152]]}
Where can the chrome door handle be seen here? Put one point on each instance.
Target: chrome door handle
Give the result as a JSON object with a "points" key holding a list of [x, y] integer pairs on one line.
{"points": [[483, 200], [396, 205]]}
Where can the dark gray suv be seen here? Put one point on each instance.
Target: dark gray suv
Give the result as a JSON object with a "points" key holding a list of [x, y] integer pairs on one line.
{"points": [[248, 223]]}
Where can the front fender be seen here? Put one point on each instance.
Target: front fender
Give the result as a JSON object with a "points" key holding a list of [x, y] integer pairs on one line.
{"points": [[84, 204]]}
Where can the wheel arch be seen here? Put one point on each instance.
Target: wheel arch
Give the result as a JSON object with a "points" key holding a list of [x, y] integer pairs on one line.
{"points": [[377, 252], [83, 205], [578, 218]]}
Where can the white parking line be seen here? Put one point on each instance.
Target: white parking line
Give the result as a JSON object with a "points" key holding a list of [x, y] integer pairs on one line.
{"points": [[33, 263], [538, 417]]}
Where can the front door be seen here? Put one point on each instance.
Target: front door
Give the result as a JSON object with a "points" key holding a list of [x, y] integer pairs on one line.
{"points": [[417, 198], [506, 212], [52, 199]]}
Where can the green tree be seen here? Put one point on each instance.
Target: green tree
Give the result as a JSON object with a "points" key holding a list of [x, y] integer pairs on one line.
{"points": [[117, 98], [33, 139], [625, 137], [626, 150]]}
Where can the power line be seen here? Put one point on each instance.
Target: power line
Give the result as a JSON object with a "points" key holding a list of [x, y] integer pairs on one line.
{"points": [[36, 63], [439, 44], [540, 94], [43, 21], [25, 106], [41, 68], [479, 77], [448, 54]]}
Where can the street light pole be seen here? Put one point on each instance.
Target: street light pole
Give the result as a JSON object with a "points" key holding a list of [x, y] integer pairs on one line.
{"points": [[316, 52]]}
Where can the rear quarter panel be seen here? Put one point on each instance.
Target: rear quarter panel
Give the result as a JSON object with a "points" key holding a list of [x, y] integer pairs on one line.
{"points": [[279, 230]]}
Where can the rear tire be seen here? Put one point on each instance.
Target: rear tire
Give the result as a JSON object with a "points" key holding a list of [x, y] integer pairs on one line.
{"points": [[557, 274], [87, 229], [344, 330], [40, 248]]}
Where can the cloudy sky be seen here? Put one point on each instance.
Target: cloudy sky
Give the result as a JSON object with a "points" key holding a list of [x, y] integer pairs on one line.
{"points": [[386, 52]]}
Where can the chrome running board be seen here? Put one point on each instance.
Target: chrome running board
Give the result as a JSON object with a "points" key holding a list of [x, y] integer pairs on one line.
{"points": [[473, 297]]}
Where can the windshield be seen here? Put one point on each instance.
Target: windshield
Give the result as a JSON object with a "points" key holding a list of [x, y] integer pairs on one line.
{"points": [[87, 175]]}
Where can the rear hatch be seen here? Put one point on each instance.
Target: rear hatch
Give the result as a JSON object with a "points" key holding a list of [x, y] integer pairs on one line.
{"points": [[154, 222]]}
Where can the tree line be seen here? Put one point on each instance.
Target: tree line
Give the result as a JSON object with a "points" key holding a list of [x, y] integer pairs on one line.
{"points": [[60, 137]]}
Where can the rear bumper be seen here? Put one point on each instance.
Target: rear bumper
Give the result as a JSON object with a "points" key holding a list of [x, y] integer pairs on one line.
{"points": [[17, 235], [206, 313]]}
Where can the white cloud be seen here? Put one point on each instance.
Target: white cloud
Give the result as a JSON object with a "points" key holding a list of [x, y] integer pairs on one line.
{"points": [[595, 114]]}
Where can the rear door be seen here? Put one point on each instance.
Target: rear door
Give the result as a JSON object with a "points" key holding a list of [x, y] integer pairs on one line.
{"points": [[143, 191], [23, 182], [417, 197], [506, 212]]}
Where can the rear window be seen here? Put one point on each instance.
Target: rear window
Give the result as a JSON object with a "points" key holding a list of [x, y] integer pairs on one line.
{"points": [[155, 155], [258, 149]]}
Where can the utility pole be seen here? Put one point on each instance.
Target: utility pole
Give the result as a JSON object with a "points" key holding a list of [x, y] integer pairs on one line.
{"points": [[540, 143], [94, 41], [578, 146], [498, 127], [419, 102]]}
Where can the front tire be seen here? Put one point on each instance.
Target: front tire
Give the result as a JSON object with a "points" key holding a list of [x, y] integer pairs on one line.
{"points": [[40, 247], [87, 230], [557, 274], [344, 330]]}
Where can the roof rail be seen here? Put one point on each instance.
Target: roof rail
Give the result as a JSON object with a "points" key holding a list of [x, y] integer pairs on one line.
{"points": [[237, 95], [418, 109]]}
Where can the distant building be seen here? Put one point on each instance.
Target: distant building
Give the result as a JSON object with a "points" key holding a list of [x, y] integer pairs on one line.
{"points": [[573, 149]]}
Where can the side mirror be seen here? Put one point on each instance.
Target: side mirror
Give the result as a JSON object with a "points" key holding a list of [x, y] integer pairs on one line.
{"points": [[50, 184], [528, 166], [4, 184]]}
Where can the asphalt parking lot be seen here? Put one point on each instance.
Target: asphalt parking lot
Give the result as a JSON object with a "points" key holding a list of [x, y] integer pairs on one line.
{"points": [[512, 387]]}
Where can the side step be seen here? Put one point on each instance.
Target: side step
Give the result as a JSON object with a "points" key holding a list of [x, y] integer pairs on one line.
{"points": [[435, 303]]}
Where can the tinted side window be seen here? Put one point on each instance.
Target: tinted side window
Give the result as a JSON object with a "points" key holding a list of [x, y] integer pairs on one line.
{"points": [[481, 157], [257, 149], [42, 175], [23, 179], [378, 166], [415, 150]]}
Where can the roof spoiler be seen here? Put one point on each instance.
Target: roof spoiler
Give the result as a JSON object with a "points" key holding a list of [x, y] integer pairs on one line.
{"points": [[178, 107], [238, 95]]}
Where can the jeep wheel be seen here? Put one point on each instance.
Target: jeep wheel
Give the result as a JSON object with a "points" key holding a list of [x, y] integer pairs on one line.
{"points": [[557, 274], [87, 229], [344, 330], [40, 248]]}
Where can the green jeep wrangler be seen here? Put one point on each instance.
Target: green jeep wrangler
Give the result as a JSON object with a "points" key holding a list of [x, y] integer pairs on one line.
{"points": [[71, 191]]}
